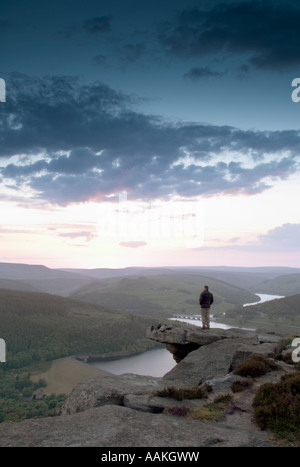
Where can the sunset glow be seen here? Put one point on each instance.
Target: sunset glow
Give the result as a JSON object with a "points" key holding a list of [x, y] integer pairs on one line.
{"points": [[128, 139]]}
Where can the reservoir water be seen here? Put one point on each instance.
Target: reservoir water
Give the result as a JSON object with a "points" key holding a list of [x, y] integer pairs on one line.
{"points": [[155, 362], [264, 298], [158, 362]]}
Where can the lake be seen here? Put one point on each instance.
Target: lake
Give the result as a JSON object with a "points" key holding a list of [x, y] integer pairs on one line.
{"points": [[264, 298], [155, 362], [158, 362]]}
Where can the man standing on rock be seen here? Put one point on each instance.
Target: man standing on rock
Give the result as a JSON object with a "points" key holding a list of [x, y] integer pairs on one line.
{"points": [[205, 300]]}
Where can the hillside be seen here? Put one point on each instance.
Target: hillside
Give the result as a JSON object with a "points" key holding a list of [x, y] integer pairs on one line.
{"points": [[66, 281], [283, 312], [283, 285], [40, 278], [39, 326], [162, 294], [11, 284]]}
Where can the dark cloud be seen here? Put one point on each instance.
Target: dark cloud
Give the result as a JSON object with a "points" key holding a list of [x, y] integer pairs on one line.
{"points": [[82, 142], [97, 25], [54, 111], [202, 72], [266, 33]]}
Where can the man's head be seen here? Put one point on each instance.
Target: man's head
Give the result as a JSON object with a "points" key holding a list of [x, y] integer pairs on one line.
{"points": [[206, 287]]}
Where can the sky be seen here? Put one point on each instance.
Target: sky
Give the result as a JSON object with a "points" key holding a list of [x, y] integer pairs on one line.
{"points": [[162, 133]]}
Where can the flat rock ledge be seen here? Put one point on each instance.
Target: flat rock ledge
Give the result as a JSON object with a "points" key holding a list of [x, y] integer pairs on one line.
{"points": [[125, 410], [182, 338]]}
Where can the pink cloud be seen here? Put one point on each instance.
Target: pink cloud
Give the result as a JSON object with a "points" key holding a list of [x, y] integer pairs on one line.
{"points": [[133, 244]]}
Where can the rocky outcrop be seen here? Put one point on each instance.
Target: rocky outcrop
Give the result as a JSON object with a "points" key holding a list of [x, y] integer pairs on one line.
{"points": [[127, 410], [128, 390], [217, 352], [181, 333], [182, 338]]}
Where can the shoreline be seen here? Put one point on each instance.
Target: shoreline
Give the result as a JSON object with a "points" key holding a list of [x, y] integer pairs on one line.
{"points": [[88, 359]]}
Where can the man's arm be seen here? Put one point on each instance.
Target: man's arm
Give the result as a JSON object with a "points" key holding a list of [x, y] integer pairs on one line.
{"points": [[200, 298]]}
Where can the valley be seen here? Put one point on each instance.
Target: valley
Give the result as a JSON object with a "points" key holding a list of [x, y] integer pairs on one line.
{"points": [[49, 316]]}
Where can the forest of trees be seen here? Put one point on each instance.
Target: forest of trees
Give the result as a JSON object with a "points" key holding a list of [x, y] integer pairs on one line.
{"points": [[17, 401], [38, 327]]}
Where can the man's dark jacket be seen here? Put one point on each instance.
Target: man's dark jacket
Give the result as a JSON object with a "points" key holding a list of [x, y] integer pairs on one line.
{"points": [[206, 299]]}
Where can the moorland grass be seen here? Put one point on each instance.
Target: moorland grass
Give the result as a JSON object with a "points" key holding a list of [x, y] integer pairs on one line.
{"points": [[277, 407]]}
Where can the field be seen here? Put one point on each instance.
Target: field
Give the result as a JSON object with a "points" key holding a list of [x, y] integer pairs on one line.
{"points": [[63, 374]]}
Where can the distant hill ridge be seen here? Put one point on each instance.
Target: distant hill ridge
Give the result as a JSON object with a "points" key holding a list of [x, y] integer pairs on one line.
{"points": [[41, 278], [85, 284]]}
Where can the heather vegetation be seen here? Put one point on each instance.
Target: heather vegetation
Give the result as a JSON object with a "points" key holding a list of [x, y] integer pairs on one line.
{"points": [[241, 385], [179, 394], [255, 366], [215, 410], [277, 407]]}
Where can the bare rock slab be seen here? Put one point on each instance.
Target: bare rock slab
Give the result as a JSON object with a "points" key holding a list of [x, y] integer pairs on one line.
{"points": [[115, 426], [207, 362], [111, 390]]}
